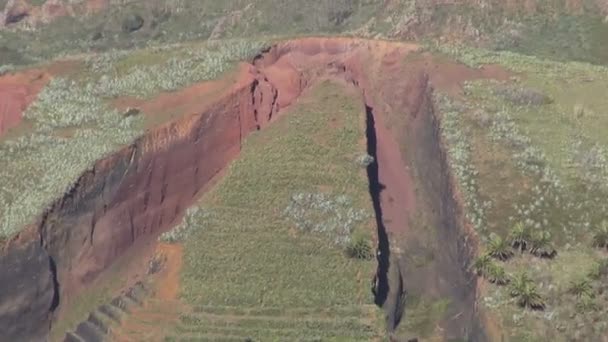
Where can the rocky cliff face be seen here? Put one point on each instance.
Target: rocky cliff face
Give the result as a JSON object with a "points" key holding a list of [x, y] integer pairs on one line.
{"points": [[140, 191], [123, 199]]}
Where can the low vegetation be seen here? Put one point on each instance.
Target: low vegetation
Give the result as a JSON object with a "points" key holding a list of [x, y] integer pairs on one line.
{"points": [[71, 125], [539, 165], [172, 71], [279, 226]]}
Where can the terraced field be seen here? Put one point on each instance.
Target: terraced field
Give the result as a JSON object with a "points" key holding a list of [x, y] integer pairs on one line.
{"points": [[249, 271]]}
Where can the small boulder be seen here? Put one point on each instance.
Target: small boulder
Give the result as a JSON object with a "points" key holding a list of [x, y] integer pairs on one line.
{"points": [[131, 112], [133, 22]]}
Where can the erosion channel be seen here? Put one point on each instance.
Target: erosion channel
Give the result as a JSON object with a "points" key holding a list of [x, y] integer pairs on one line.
{"points": [[127, 199]]}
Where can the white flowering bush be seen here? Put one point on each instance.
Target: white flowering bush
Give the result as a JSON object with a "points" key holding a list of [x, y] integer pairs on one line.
{"points": [[194, 65], [64, 103], [334, 216], [42, 166], [194, 218], [364, 160], [592, 162], [6, 68], [459, 157]]}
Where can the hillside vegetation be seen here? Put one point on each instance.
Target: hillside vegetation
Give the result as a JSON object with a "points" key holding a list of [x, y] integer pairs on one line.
{"points": [[553, 29], [266, 252], [536, 161]]}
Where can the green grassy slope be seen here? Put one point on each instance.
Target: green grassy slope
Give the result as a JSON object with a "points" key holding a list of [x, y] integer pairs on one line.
{"points": [[538, 157], [249, 271], [551, 31]]}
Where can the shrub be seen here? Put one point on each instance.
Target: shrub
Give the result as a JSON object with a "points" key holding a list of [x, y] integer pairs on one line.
{"points": [[322, 213], [360, 248], [581, 288], [519, 237], [600, 236], [599, 269], [364, 160], [542, 246], [498, 248], [482, 264], [526, 292], [587, 303], [132, 23], [495, 274]]}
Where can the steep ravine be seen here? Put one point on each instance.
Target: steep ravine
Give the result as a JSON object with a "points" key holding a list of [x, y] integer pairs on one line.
{"points": [[130, 197], [123, 201]]}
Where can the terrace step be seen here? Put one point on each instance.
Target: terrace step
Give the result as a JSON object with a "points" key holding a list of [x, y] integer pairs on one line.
{"points": [[99, 324]]}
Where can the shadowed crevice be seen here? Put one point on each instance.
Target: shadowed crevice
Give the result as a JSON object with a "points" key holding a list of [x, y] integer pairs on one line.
{"points": [[380, 284]]}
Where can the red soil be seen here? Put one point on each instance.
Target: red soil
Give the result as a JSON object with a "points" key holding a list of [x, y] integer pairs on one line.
{"points": [[163, 307], [142, 190], [17, 91]]}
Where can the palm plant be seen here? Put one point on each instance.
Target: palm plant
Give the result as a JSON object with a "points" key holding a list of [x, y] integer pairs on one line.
{"points": [[600, 236], [526, 292], [498, 248], [360, 248], [519, 237], [484, 266], [542, 246], [587, 303], [496, 275], [599, 270], [581, 288]]}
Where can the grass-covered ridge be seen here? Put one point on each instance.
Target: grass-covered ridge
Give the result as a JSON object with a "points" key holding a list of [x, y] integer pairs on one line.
{"points": [[269, 260], [71, 124], [530, 154]]}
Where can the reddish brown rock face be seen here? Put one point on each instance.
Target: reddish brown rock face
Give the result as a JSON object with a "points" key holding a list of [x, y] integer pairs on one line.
{"points": [[135, 194]]}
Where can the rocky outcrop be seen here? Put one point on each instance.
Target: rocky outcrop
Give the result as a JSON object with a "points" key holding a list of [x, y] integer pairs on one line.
{"points": [[140, 191], [124, 199]]}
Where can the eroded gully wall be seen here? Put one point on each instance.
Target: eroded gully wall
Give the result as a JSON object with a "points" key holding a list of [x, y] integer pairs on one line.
{"points": [[139, 191], [130, 196], [438, 197]]}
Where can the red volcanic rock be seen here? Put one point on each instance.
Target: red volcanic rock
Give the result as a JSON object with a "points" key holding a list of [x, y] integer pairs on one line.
{"points": [[140, 191]]}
